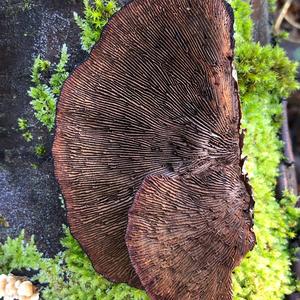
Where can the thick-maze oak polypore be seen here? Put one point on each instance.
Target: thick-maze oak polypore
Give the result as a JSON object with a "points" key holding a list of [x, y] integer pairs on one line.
{"points": [[147, 151]]}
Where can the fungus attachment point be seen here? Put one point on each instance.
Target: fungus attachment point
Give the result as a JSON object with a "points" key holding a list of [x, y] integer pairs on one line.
{"points": [[186, 234], [156, 96]]}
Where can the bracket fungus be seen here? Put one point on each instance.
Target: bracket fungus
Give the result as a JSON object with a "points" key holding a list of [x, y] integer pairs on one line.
{"points": [[147, 151]]}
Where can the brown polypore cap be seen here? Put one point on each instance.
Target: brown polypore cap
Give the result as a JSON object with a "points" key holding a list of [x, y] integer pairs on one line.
{"points": [[187, 233], [156, 96]]}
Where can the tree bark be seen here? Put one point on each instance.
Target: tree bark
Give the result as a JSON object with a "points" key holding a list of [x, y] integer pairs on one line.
{"points": [[260, 15]]}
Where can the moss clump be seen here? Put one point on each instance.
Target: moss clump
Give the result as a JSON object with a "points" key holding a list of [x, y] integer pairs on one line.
{"points": [[40, 150], [67, 276], [272, 5], [23, 126], [18, 254], [95, 18], [265, 76], [44, 94]]}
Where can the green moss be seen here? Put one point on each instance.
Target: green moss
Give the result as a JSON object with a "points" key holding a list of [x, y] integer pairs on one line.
{"points": [[95, 18], [23, 126], [26, 5], [67, 276], [40, 150], [27, 135], [44, 92], [34, 166], [265, 76], [60, 74], [18, 254], [272, 5], [242, 21]]}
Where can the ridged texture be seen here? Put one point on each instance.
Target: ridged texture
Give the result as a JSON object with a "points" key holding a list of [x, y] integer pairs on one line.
{"points": [[156, 96], [187, 233]]}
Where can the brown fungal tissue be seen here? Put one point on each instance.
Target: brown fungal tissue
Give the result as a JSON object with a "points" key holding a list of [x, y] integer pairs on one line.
{"points": [[148, 140]]}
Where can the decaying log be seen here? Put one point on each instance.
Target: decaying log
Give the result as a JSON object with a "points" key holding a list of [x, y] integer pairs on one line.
{"points": [[287, 180]]}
